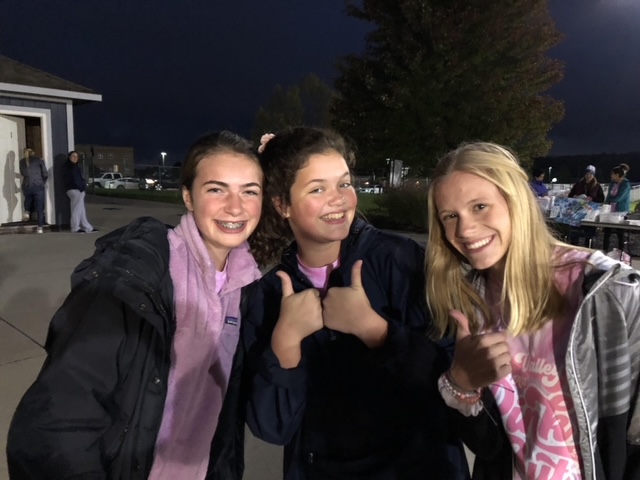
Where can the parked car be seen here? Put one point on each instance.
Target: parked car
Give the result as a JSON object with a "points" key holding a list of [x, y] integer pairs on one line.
{"points": [[127, 183], [151, 182], [371, 189], [101, 180], [147, 184]]}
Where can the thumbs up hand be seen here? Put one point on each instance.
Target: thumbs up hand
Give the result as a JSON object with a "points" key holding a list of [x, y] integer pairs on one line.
{"points": [[479, 360], [347, 310], [300, 316]]}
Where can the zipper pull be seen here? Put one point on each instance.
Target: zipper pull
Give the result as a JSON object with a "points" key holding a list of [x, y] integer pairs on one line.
{"points": [[310, 458]]}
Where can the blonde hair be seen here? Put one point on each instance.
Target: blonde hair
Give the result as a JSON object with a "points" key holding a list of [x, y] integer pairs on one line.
{"points": [[28, 152], [529, 294]]}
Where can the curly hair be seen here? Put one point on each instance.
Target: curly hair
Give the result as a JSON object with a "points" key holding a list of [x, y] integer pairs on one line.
{"points": [[283, 156]]}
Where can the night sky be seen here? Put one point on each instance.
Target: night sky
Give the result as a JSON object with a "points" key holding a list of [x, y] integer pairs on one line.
{"points": [[170, 70]]}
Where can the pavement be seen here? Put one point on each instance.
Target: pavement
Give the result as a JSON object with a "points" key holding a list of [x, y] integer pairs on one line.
{"points": [[34, 281]]}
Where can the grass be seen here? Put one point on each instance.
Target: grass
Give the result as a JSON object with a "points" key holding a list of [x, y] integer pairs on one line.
{"points": [[366, 201], [166, 196]]}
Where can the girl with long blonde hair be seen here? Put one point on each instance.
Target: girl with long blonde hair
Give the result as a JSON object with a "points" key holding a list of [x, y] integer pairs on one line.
{"points": [[543, 382]]}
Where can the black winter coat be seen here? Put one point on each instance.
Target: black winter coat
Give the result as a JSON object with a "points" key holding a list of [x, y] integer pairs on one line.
{"points": [[72, 177], [95, 409], [347, 411]]}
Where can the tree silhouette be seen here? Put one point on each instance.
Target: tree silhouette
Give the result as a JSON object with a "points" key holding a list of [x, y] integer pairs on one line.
{"points": [[439, 72], [306, 103]]}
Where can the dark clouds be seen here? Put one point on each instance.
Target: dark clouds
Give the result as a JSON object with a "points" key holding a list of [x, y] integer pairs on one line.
{"points": [[169, 70]]}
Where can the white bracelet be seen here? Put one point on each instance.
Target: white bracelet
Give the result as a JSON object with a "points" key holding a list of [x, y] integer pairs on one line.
{"points": [[465, 408]]}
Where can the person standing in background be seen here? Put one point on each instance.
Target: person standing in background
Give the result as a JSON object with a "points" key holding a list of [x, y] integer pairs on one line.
{"points": [[537, 185], [75, 186], [34, 176], [589, 189], [588, 186], [618, 197]]}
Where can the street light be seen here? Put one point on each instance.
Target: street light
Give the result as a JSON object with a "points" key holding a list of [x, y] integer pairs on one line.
{"points": [[159, 184]]}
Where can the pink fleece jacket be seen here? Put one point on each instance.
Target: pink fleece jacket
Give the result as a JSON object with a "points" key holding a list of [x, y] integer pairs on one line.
{"points": [[206, 337]]}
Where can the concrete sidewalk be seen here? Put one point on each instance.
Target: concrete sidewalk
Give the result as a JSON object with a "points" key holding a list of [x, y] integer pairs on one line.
{"points": [[34, 281]]}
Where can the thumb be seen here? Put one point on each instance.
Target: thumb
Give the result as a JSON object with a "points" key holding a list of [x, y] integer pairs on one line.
{"points": [[356, 274], [462, 323], [287, 287]]}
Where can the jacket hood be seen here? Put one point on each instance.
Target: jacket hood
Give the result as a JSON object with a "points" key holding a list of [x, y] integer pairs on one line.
{"points": [[601, 267], [134, 257]]}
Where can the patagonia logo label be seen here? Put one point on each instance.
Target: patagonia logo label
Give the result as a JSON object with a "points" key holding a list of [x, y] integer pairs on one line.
{"points": [[231, 320]]}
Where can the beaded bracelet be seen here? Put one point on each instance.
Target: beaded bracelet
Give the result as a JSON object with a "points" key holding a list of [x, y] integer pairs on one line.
{"points": [[458, 389], [468, 403]]}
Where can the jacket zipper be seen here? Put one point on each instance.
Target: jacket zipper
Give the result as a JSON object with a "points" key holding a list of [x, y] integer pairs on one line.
{"points": [[583, 406], [575, 369]]}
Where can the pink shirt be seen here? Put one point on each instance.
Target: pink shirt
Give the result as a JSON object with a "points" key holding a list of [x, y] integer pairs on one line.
{"points": [[318, 276], [534, 401]]}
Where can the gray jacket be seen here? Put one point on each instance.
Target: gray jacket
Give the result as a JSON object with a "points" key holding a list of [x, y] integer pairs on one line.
{"points": [[602, 366], [35, 174], [603, 363]]}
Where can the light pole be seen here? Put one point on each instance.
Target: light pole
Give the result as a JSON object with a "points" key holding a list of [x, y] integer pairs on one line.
{"points": [[159, 182]]}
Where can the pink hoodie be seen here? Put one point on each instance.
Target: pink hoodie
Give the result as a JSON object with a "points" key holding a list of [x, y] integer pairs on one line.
{"points": [[206, 337]]}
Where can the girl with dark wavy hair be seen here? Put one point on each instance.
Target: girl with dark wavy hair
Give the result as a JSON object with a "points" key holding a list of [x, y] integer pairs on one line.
{"points": [[345, 376]]}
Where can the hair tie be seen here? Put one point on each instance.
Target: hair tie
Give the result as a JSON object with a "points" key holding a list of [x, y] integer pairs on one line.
{"points": [[264, 139]]}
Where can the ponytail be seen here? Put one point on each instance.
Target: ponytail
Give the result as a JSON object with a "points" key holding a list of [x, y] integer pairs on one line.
{"points": [[621, 169], [27, 154]]}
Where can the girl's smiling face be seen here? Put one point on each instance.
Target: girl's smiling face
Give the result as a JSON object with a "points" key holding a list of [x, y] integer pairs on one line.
{"points": [[226, 201], [475, 218], [322, 203]]}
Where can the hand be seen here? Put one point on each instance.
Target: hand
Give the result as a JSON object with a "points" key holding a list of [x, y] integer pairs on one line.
{"points": [[300, 316], [347, 310], [478, 360], [589, 199]]}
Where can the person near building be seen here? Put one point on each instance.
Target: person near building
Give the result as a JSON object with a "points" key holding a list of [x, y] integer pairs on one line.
{"points": [[75, 186], [34, 178]]}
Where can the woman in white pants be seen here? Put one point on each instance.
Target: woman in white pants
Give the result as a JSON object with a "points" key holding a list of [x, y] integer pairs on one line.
{"points": [[75, 186]]}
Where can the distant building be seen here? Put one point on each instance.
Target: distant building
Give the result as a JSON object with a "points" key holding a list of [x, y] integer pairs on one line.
{"points": [[36, 110], [107, 159]]}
